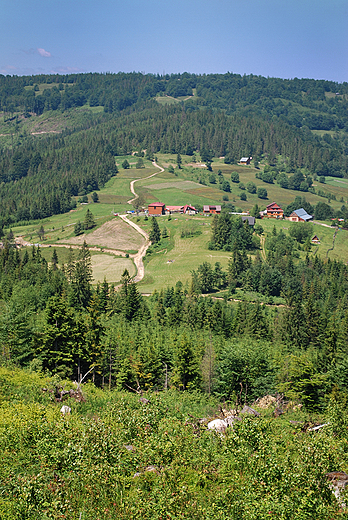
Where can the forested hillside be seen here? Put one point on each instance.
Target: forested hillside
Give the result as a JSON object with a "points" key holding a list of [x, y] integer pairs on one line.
{"points": [[301, 123], [171, 361], [267, 316]]}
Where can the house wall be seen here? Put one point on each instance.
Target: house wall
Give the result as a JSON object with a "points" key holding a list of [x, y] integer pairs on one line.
{"points": [[157, 210], [275, 214]]}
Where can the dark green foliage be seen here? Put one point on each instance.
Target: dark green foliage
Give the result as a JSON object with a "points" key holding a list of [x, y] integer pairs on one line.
{"points": [[300, 231], [78, 228], [226, 186], [228, 232], [283, 180], [125, 164], [40, 233], [251, 187], [81, 278], [235, 177], [262, 193], [323, 211], [95, 197], [245, 371], [155, 233], [89, 221], [140, 164]]}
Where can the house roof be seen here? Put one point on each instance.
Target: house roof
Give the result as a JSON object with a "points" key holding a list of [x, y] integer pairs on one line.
{"points": [[174, 208], [301, 213], [156, 204], [244, 159], [208, 208], [251, 220], [187, 207], [273, 205]]}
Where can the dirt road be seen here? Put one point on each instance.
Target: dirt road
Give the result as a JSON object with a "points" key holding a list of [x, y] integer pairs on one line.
{"points": [[136, 196], [138, 257]]}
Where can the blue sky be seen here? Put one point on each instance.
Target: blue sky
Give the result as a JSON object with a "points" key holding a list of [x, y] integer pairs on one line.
{"points": [[278, 38]]}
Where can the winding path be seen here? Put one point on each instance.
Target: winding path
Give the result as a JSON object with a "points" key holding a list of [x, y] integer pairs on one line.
{"points": [[138, 257], [136, 196]]}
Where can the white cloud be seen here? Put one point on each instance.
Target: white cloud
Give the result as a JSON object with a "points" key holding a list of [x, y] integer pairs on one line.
{"points": [[44, 53]]}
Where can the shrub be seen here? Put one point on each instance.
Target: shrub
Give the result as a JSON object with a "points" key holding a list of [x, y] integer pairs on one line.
{"points": [[235, 177], [262, 193], [251, 187]]}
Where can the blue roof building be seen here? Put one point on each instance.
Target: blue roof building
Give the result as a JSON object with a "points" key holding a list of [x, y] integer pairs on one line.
{"points": [[300, 215]]}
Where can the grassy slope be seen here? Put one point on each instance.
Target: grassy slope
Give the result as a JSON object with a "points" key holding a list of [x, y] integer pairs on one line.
{"points": [[166, 267]]}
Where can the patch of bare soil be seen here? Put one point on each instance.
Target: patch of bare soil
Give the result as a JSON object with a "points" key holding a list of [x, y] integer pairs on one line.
{"points": [[114, 234]]}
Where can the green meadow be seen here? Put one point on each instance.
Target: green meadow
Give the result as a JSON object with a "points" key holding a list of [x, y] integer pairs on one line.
{"points": [[176, 262]]}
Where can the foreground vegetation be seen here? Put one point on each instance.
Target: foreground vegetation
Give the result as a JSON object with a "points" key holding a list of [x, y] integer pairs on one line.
{"points": [[117, 457]]}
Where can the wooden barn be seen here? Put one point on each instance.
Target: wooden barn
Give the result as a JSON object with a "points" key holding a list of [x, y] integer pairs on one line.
{"points": [[156, 208]]}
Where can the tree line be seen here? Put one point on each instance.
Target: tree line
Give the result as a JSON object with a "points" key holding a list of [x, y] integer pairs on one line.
{"points": [[52, 317]]}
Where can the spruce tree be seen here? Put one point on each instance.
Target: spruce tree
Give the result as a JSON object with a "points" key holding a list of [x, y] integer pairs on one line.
{"points": [[82, 278], [78, 229], [155, 233], [54, 260], [89, 221], [186, 369]]}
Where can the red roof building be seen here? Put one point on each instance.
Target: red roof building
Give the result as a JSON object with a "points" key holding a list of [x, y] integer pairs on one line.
{"points": [[190, 210], [274, 211], [156, 208]]}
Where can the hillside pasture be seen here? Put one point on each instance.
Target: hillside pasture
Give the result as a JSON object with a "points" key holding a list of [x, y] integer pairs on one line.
{"points": [[110, 267], [275, 192], [114, 234], [166, 267], [181, 185]]}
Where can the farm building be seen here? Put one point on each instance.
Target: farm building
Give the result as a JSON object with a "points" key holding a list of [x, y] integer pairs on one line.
{"points": [[245, 160], [189, 210], [156, 208], [208, 210], [299, 215], [274, 211], [173, 209], [315, 240]]}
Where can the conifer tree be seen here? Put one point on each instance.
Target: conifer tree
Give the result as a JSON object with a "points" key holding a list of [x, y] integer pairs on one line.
{"points": [[89, 221], [57, 347], [155, 233], [54, 260], [186, 369], [82, 277]]}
